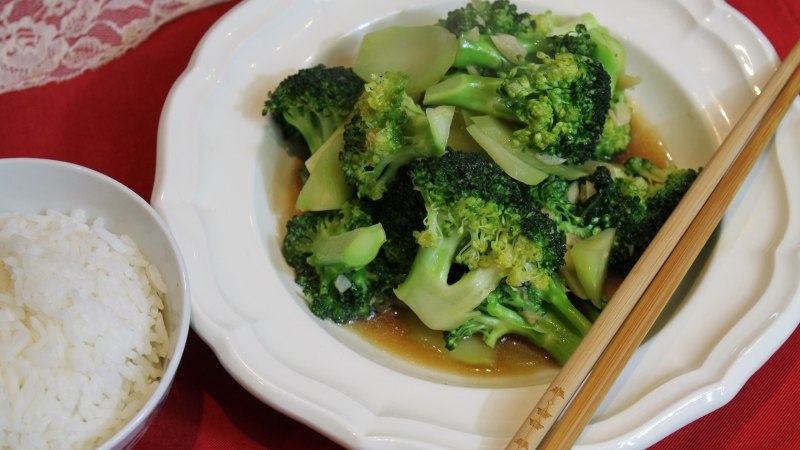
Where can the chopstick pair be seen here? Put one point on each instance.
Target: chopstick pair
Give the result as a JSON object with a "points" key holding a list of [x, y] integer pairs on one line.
{"points": [[580, 386]]}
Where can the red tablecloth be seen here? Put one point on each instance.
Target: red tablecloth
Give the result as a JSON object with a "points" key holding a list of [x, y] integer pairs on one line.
{"points": [[107, 119]]}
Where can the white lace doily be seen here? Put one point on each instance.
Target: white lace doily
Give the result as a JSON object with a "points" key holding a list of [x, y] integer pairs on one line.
{"points": [[54, 40]]}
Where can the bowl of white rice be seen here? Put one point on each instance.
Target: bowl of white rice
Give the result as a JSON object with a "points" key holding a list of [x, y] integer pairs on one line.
{"points": [[94, 308]]}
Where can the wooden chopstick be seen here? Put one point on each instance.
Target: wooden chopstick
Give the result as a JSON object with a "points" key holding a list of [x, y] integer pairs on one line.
{"points": [[572, 397]]}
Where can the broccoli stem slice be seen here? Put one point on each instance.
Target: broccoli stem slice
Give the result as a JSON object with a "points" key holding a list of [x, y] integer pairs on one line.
{"points": [[479, 52], [424, 53], [472, 92], [326, 188], [439, 305], [496, 138], [351, 249], [482, 52], [313, 126], [556, 296]]}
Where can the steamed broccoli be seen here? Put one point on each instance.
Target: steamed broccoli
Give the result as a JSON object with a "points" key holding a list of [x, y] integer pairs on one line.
{"points": [[616, 134], [477, 230], [632, 201], [560, 104], [388, 130], [402, 213], [335, 258], [559, 198], [494, 37], [491, 35], [314, 102], [577, 41], [635, 200], [669, 186], [603, 48], [496, 17], [505, 239], [534, 314]]}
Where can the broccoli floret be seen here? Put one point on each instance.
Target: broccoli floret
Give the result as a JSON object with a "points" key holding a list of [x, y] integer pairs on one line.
{"points": [[387, 131], [479, 226], [563, 103], [402, 212], [534, 314], [616, 130], [635, 205], [491, 35], [550, 23], [495, 36], [625, 204], [487, 45], [666, 196], [560, 104], [619, 202], [576, 41], [559, 198], [648, 170], [314, 102], [605, 48], [334, 255], [497, 17]]}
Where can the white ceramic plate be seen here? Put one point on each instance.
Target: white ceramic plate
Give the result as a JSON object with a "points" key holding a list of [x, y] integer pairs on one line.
{"points": [[222, 173]]}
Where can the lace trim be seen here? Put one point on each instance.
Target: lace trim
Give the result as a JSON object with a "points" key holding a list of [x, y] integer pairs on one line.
{"points": [[42, 41]]}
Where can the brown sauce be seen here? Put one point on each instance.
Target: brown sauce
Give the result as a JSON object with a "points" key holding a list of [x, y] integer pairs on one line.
{"points": [[646, 143], [399, 332]]}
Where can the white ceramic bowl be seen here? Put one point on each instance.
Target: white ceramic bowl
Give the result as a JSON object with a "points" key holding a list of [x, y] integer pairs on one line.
{"points": [[34, 185]]}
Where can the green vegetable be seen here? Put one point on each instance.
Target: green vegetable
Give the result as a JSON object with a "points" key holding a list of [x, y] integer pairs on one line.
{"points": [[491, 35], [335, 258], [476, 223], [497, 139], [314, 102], [497, 17], [559, 105], [325, 188], [524, 312], [603, 48], [590, 259], [469, 170], [387, 131], [402, 212], [636, 201], [423, 53], [616, 130]]}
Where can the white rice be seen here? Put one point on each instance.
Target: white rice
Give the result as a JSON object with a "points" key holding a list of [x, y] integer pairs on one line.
{"points": [[82, 335]]}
